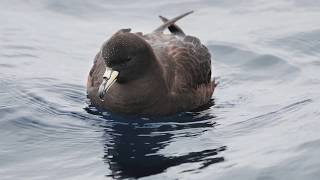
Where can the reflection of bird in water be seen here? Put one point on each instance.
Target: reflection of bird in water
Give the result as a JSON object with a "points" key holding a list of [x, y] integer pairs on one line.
{"points": [[132, 146]]}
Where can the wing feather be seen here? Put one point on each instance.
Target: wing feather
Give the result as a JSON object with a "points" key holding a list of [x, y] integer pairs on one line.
{"points": [[193, 62]]}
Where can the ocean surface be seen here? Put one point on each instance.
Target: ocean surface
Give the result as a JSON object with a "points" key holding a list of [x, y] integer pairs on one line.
{"points": [[263, 122]]}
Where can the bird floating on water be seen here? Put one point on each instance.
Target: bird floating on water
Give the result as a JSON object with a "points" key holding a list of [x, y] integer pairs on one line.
{"points": [[153, 74]]}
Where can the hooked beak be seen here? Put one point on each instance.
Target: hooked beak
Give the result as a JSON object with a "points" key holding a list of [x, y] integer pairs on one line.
{"points": [[109, 77]]}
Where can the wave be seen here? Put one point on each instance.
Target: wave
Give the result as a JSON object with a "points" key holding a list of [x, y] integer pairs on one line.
{"points": [[252, 66]]}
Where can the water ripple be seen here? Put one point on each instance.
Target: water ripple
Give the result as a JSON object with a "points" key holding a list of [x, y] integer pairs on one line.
{"points": [[261, 124], [268, 119]]}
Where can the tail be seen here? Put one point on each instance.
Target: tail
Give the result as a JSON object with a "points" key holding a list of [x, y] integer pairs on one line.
{"points": [[171, 22], [174, 29]]}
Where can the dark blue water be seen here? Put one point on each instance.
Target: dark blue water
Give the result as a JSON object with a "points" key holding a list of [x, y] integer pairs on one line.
{"points": [[263, 121]]}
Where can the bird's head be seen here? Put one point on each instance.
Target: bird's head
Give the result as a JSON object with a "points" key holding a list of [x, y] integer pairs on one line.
{"points": [[127, 57]]}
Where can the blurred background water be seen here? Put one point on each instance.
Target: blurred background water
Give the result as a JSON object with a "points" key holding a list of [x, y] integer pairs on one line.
{"points": [[263, 122]]}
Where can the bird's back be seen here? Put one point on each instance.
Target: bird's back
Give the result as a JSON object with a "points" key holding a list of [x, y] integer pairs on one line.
{"points": [[186, 67]]}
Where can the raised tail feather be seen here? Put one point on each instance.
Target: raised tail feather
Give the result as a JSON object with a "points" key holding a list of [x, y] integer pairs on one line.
{"points": [[174, 29], [171, 22]]}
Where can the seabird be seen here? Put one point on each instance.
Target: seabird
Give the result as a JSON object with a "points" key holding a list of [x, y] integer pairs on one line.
{"points": [[154, 74]]}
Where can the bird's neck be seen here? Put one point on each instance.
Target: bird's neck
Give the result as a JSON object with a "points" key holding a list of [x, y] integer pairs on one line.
{"points": [[141, 93]]}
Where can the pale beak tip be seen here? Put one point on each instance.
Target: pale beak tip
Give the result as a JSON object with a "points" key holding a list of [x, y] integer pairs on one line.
{"points": [[101, 95]]}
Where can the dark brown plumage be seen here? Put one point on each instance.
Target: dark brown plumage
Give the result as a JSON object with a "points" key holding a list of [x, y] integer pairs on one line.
{"points": [[151, 74]]}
